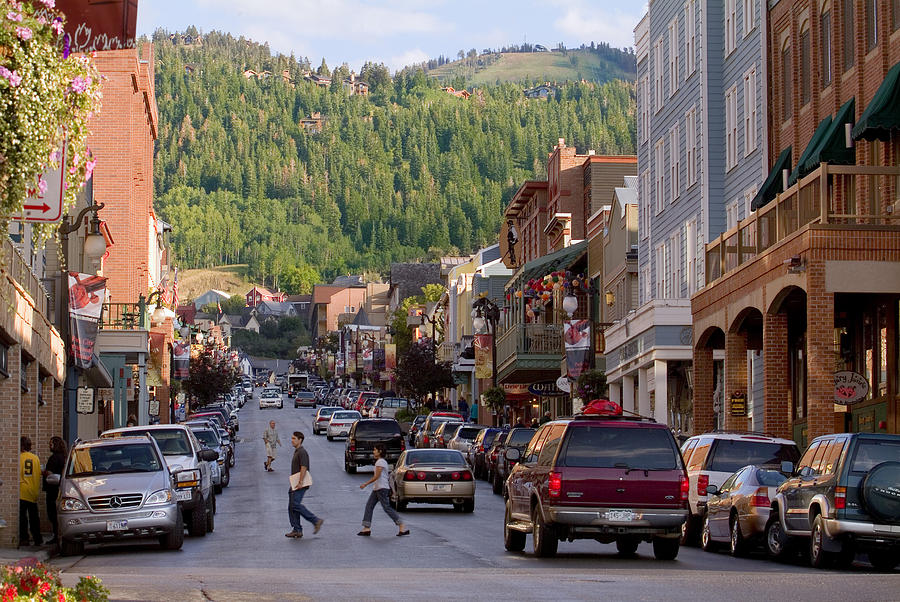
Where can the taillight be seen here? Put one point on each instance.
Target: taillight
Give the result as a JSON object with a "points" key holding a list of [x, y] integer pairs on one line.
{"points": [[554, 486], [760, 498], [702, 484], [352, 445], [409, 476], [455, 476], [421, 476], [402, 445], [425, 439], [466, 475], [685, 488], [840, 497]]}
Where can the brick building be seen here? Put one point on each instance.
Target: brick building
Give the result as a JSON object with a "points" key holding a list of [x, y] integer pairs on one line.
{"points": [[811, 280]]}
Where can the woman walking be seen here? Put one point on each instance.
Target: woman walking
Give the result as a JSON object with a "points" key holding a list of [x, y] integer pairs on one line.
{"points": [[270, 437], [380, 493], [54, 465]]}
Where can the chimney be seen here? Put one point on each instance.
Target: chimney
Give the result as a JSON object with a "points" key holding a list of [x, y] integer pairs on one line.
{"points": [[562, 143]]}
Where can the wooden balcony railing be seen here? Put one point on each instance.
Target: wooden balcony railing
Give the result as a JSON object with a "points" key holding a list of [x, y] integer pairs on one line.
{"points": [[521, 339], [853, 195], [446, 352], [15, 265]]}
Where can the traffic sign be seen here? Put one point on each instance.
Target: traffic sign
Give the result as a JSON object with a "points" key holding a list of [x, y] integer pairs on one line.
{"points": [[47, 206]]}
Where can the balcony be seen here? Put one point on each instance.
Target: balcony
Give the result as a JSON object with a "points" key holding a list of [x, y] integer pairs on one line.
{"points": [[19, 270], [529, 352], [446, 352], [833, 195], [124, 316]]}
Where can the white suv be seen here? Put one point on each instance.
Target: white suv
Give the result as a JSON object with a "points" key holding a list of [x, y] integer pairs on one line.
{"points": [[713, 457]]}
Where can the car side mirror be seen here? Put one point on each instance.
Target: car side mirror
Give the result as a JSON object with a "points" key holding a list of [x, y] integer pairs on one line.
{"points": [[787, 467], [712, 490], [53, 479], [513, 455], [208, 455]]}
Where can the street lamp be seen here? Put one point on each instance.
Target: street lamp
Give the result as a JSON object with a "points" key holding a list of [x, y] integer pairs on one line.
{"points": [[160, 313]]}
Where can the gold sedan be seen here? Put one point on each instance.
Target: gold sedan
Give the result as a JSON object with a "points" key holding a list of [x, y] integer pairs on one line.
{"points": [[433, 476]]}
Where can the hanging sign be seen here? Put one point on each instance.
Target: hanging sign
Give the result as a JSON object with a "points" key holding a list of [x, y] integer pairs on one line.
{"points": [[84, 400], [850, 387], [546, 388]]}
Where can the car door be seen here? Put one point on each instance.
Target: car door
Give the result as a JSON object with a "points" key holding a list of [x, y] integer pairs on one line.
{"points": [[719, 507], [520, 483], [826, 479], [795, 515]]}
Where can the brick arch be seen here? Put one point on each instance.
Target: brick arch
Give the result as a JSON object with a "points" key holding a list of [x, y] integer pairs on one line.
{"points": [[711, 338], [748, 315], [777, 304]]}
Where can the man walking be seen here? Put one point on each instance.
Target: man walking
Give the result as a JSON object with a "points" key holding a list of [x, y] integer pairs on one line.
{"points": [[29, 491], [463, 408], [270, 437], [300, 483]]}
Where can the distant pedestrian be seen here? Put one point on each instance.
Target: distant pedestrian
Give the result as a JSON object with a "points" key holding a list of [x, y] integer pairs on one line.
{"points": [[519, 424], [463, 409], [546, 417], [301, 480], [271, 439], [29, 492], [473, 412], [55, 464], [132, 420], [380, 494]]}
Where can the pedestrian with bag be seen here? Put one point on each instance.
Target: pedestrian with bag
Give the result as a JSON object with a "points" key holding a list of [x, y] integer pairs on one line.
{"points": [[300, 481], [380, 494], [29, 492], [271, 439], [55, 464]]}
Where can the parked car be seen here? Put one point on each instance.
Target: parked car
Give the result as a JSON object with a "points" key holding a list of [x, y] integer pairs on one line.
{"points": [[426, 432], [270, 398], [517, 439], [610, 478], [220, 471], [365, 434], [224, 440], [188, 462], [444, 433], [116, 490], [414, 428], [359, 403], [737, 513], [841, 499], [305, 399], [387, 407], [340, 423], [478, 453], [432, 476], [321, 419], [230, 416], [463, 438], [367, 408], [712, 457]]}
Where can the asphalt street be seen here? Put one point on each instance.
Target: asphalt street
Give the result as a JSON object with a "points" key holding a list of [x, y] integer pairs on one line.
{"points": [[448, 555]]}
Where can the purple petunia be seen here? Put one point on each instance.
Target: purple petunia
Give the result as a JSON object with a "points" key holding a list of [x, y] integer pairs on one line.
{"points": [[14, 78]]}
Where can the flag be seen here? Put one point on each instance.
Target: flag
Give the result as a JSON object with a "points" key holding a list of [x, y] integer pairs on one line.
{"points": [[175, 289], [218, 307]]}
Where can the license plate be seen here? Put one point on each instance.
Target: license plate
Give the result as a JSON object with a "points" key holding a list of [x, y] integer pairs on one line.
{"points": [[183, 495], [619, 515], [438, 487], [116, 525]]}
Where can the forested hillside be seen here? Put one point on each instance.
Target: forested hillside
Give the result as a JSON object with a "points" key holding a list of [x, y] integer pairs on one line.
{"points": [[404, 173]]}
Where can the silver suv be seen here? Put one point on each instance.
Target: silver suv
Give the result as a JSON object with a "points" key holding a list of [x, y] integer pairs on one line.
{"points": [[189, 464], [114, 490]]}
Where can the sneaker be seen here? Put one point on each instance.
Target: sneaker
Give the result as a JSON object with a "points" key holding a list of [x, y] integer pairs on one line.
{"points": [[318, 525], [294, 534]]}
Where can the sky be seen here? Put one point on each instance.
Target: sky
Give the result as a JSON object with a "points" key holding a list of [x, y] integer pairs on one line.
{"points": [[398, 32]]}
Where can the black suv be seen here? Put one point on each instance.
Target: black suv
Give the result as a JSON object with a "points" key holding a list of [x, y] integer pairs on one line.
{"points": [[843, 498], [365, 434]]}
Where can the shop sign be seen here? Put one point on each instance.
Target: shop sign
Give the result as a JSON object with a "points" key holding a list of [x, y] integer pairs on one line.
{"points": [[546, 388], [84, 400], [738, 404], [564, 384], [849, 387]]}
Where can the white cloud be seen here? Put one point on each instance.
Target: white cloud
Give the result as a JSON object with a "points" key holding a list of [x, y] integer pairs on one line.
{"points": [[613, 26], [410, 57]]}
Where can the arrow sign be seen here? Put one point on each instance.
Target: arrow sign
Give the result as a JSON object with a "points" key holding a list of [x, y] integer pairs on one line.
{"points": [[46, 207]]}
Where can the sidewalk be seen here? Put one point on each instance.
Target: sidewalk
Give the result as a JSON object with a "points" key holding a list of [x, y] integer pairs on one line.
{"points": [[27, 555]]}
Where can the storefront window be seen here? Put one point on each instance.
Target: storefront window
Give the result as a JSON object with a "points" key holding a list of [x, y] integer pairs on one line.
{"points": [[866, 341]]}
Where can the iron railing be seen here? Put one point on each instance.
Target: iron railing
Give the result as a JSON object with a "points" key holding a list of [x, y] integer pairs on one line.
{"points": [[520, 339]]}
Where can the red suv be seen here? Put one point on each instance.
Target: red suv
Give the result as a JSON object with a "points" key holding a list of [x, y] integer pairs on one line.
{"points": [[610, 478]]}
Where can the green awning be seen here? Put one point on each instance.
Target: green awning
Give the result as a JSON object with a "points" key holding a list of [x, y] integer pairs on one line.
{"points": [[554, 261], [833, 147], [883, 114], [810, 150], [773, 184]]}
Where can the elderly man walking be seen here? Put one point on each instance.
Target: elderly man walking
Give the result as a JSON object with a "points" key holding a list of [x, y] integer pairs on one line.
{"points": [[270, 437]]}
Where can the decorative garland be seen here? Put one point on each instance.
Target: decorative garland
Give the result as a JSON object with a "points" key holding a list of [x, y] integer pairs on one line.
{"points": [[46, 96], [540, 290]]}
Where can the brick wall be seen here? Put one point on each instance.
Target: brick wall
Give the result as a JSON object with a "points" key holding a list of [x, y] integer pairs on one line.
{"points": [[777, 417]]}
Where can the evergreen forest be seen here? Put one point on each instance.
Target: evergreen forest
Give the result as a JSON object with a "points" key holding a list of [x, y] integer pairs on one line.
{"points": [[406, 173]]}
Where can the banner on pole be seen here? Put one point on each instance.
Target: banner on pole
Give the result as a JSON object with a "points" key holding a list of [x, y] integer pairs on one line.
{"points": [[86, 295], [483, 360], [181, 363], [577, 336]]}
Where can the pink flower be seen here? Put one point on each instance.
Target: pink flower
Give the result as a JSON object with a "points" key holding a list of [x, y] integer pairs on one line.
{"points": [[80, 84], [24, 33], [14, 16], [42, 184], [89, 168], [54, 156], [48, 3], [42, 20], [57, 26], [14, 78]]}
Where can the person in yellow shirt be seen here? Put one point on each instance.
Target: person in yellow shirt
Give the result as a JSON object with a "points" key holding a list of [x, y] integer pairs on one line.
{"points": [[29, 492]]}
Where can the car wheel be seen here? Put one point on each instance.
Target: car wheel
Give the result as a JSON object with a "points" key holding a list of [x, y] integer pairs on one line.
{"points": [[665, 548], [706, 540], [330, 438], [197, 520], [69, 547], [819, 557], [231, 459], [884, 561], [497, 484], [627, 546], [513, 540], [174, 539], [351, 469], [211, 515], [468, 506], [226, 478], [217, 488], [778, 544], [543, 536], [738, 543]]}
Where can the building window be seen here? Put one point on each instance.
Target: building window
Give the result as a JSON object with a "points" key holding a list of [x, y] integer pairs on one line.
{"points": [[690, 145], [660, 168], [750, 111], [657, 75], [730, 26], [731, 127], [675, 162], [4, 360], [645, 109], [23, 374], [849, 19], [749, 16], [673, 269], [786, 84], [690, 36], [871, 24], [825, 47], [645, 284], [673, 57], [659, 265], [644, 211], [805, 67]]}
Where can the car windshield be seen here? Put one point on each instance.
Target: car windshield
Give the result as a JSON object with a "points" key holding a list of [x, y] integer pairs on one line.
{"points": [[419, 421], [437, 421], [489, 437], [171, 442], [733, 454], [519, 437], [108, 459], [345, 415], [871, 453], [770, 478], [434, 456], [611, 447], [207, 438], [468, 432]]}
